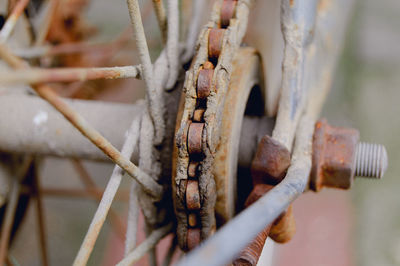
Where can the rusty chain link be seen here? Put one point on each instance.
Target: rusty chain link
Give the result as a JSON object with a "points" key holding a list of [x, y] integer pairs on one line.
{"points": [[206, 85]]}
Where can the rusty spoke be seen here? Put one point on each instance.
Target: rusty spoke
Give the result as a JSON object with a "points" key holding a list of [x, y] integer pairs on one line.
{"points": [[8, 221], [150, 242], [42, 75], [11, 208], [148, 184], [77, 193], [45, 26], [12, 20], [116, 223], [161, 17], [40, 219]]}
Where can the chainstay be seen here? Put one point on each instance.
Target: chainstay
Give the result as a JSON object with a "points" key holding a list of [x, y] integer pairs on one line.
{"points": [[206, 85]]}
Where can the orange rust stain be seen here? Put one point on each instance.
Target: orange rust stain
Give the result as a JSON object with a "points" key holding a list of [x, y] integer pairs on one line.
{"points": [[291, 3], [323, 5]]}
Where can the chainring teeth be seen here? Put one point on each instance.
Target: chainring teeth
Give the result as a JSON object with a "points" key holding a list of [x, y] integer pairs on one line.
{"points": [[200, 129]]}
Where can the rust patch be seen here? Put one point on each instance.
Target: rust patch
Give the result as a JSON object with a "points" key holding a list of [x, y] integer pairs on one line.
{"points": [[204, 83], [198, 115], [194, 138], [281, 230], [270, 162], [334, 151], [193, 238], [193, 169], [227, 12], [192, 220], [215, 39], [323, 5], [192, 195], [284, 227]]}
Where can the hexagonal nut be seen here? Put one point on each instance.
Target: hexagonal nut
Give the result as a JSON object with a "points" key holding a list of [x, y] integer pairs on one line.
{"points": [[270, 162], [333, 159]]}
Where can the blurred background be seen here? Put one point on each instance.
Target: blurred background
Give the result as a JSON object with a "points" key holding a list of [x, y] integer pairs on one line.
{"points": [[357, 227]]}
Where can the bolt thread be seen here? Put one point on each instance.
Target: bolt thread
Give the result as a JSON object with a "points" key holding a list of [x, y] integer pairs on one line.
{"points": [[371, 160]]}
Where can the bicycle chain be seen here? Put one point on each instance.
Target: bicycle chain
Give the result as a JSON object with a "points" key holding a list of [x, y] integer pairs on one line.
{"points": [[206, 85]]}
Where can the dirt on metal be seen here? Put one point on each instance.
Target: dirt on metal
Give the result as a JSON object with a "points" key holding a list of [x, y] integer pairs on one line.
{"points": [[334, 154], [270, 162]]}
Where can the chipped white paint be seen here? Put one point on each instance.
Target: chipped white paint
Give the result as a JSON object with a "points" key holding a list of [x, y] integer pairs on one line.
{"points": [[40, 118]]}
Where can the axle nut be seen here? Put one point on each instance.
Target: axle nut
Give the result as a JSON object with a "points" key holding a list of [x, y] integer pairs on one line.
{"points": [[334, 156]]}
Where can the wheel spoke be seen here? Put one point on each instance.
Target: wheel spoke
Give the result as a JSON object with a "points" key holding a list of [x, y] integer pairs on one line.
{"points": [[42, 75], [116, 223], [106, 200], [8, 221], [40, 219], [161, 18], [144, 247], [12, 20]]}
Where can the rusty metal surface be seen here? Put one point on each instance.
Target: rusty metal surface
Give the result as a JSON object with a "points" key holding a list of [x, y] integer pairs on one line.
{"points": [[215, 39], [284, 227], [281, 230], [234, 236], [270, 162], [298, 28], [334, 156], [246, 74], [251, 254], [192, 195], [193, 238], [204, 83], [318, 70], [195, 138], [227, 12], [218, 47]]}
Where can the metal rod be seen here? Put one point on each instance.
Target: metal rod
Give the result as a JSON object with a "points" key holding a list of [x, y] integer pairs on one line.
{"points": [[173, 43], [298, 24], [116, 223], [133, 219], [198, 10], [12, 19], [11, 207], [171, 251], [149, 185], [39, 129], [73, 48], [154, 99], [45, 26], [78, 193], [144, 247], [106, 201], [42, 75], [40, 219], [8, 220], [161, 18]]}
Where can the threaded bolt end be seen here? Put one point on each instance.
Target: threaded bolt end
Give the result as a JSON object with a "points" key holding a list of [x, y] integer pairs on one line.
{"points": [[371, 160]]}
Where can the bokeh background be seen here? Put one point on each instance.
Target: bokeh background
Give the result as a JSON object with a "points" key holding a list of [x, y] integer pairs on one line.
{"points": [[357, 227]]}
